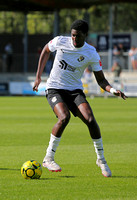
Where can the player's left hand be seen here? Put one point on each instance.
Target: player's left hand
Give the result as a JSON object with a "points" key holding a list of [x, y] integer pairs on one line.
{"points": [[120, 94]]}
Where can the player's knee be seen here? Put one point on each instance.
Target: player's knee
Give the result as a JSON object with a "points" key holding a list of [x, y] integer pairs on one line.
{"points": [[90, 120], [64, 119], [94, 124]]}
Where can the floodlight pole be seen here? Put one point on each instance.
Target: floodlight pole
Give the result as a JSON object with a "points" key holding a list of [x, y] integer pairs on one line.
{"points": [[56, 23], [110, 37], [25, 41]]}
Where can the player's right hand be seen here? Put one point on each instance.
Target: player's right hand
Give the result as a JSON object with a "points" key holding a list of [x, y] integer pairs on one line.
{"points": [[36, 84]]}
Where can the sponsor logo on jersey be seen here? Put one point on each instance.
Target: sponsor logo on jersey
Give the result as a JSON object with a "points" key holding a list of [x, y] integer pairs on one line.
{"points": [[81, 58], [70, 68], [65, 66]]}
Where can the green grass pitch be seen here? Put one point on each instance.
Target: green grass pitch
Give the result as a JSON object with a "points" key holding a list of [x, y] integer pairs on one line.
{"points": [[25, 127]]}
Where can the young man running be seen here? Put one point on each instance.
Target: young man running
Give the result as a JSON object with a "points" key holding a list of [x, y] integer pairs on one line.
{"points": [[64, 89]]}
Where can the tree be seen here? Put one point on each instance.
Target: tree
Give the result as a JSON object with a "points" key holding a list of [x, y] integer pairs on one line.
{"points": [[42, 22]]}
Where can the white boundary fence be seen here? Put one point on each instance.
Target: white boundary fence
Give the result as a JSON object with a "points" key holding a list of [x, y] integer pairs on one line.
{"points": [[126, 83], [91, 88]]}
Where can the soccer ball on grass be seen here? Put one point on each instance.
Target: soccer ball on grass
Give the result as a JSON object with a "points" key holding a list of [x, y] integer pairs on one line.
{"points": [[31, 170]]}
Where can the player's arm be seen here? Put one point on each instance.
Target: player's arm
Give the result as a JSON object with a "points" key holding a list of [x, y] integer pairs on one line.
{"points": [[44, 56], [104, 84]]}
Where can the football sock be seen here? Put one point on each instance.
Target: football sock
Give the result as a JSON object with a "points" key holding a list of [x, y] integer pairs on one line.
{"points": [[99, 148], [53, 144]]}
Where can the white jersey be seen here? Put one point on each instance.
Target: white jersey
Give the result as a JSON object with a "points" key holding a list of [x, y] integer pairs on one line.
{"points": [[70, 63]]}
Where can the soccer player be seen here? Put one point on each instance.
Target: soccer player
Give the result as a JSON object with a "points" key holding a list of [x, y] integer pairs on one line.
{"points": [[64, 89]]}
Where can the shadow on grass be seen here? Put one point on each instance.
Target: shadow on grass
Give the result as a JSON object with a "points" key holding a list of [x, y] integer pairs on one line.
{"points": [[67, 176], [9, 169], [57, 177], [124, 177]]}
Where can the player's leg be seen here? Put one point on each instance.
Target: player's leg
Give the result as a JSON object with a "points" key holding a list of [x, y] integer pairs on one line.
{"points": [[62, 112], [63, 115], [85, 113]]}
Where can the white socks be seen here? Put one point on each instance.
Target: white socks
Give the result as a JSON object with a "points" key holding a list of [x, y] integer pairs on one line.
{"points": [[99, 148], [53, 144]]}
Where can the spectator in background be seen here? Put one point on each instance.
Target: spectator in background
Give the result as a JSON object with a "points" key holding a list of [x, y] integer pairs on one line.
{"points": [[121, 50], [135, 58], [123, 59], [116, 68], [133, 55], [9, 56]]}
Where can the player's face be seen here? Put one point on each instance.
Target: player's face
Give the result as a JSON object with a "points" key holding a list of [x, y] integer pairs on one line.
{"points": [[78, 38]]}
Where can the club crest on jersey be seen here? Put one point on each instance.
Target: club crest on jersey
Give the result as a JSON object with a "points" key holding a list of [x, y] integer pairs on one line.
{"points": [[81, 58]]}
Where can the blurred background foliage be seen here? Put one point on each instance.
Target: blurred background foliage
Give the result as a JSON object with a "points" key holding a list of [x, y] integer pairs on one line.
{"points": [[125, 16]]}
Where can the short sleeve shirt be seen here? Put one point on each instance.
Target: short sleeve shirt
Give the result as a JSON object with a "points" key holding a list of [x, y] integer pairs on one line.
{"points": [[70, 63]]}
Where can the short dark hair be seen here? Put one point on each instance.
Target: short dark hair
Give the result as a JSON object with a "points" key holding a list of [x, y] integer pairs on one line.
{"points": [[80, 25]]}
